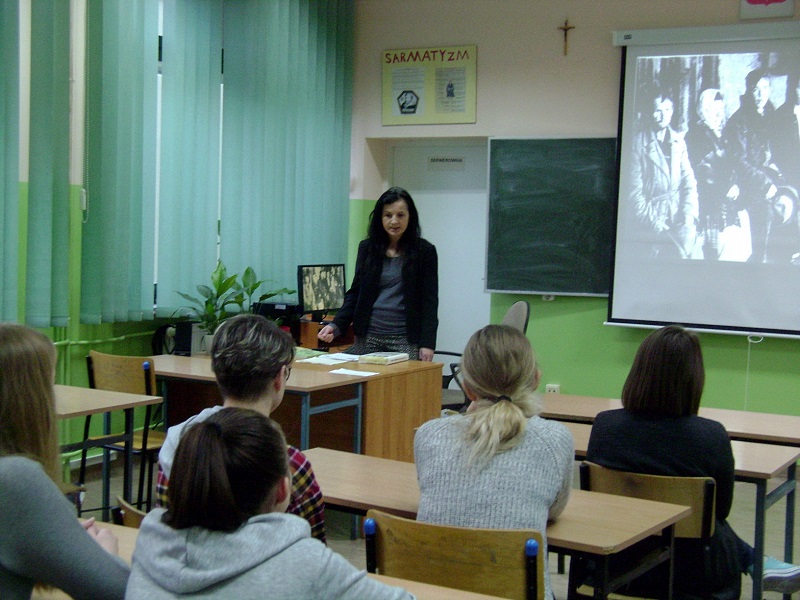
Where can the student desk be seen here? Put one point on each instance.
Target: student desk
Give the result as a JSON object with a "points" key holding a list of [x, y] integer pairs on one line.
{"points": [[423, 591], [79, 402], [755, 463], [399, 398], [740, 425], [593, 524]]}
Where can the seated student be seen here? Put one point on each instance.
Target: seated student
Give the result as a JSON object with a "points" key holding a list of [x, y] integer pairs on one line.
{"points": [[226, 533], [251, 358], [499, 465], [659, 432], [42, 544]]}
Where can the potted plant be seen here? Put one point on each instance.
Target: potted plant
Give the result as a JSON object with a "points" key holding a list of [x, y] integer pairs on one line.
{"points": [[225, 297]]}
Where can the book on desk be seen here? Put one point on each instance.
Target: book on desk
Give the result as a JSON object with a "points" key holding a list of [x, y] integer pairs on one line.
{"points": [[383, 358]]}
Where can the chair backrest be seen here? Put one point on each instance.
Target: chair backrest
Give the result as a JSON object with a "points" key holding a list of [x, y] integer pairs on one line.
{"points": [[126, 514], [697, 492], [517, 316], [487, 561], [131, 374]]}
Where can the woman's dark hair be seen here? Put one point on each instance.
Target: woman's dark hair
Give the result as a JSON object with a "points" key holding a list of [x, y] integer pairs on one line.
{"points": [[225, 470], [667, 375], [377, 234]]}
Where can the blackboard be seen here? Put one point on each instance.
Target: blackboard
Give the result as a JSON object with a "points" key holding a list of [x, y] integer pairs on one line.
{"points": [[551, 215]]}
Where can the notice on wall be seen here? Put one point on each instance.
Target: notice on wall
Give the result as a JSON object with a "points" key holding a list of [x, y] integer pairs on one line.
{"points": [[765, 9], [429, 85]]}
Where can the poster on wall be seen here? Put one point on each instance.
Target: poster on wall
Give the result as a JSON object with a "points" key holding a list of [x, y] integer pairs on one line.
{"points": [[423, 86], [763, 9]]}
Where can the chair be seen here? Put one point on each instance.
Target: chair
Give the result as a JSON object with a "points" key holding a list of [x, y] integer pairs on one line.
{"points": [[73, 492], [452, 398], [697, 492], [133, 375], [127, 514], [517, 316], [487, 561]]}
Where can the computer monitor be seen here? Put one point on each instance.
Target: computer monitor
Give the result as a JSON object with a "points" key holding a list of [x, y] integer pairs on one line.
{"points": [[320, 289]]}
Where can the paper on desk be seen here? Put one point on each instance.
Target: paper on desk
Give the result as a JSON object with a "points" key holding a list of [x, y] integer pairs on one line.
{"points": [[344, 357], [353, 372]]}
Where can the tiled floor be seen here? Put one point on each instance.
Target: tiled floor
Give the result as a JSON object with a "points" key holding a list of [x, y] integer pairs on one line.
{"points": [[741, 519]]}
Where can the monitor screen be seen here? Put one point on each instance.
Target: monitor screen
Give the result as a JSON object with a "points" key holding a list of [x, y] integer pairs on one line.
{"points": [[320, 288]]}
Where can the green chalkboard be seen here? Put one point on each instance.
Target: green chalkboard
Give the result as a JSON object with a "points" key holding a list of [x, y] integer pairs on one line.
{"points": [[551, 215]]}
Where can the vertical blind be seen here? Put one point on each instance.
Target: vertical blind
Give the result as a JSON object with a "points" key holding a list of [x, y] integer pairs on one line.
{"points": [[9, 159], [47, 260], [121, 76], [286, 143], [190, 146], [265, 174]]}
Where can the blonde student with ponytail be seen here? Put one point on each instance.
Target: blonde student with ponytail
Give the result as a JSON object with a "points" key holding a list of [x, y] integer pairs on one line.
{"points": [[499, 465]]}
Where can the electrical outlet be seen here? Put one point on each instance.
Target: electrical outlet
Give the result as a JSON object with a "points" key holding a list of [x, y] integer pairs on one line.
{"points": [[552, 388]]}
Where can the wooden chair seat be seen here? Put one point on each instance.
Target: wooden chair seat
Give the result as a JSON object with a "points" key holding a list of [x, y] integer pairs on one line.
{"points": [[132, 375], [126, 514]]}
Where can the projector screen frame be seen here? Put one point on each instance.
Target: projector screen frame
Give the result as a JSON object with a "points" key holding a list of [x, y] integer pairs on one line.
{"points": [[736, 35]]}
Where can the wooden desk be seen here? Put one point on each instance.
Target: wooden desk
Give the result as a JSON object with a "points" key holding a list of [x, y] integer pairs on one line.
{"points": [[593, 524], [395, 401], [756, 463], [79, 402], [741, 425], [423, 591]]}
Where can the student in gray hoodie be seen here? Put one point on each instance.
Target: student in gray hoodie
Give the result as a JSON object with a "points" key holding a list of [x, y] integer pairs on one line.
{"points": [[226, 535]]}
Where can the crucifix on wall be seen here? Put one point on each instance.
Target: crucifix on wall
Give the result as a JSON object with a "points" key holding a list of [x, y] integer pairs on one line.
{"points": [[565, 28]]}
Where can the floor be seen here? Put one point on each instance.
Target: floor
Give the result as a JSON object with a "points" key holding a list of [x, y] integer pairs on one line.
{"points": [[339, 526]]}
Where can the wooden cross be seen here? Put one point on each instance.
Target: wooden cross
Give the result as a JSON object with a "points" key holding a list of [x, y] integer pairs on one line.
{"points": [[565, 28]]}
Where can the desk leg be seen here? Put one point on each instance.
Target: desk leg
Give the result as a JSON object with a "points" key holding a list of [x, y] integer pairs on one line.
{"points": [[127, 477], [791, 498], [758, 554], [106, 469], [305, 420], [357, 418]]}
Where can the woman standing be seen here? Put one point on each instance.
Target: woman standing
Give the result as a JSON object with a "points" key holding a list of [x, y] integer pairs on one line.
{"points": [[42, 543], [658, 432], [499, 465], [394, 299]]}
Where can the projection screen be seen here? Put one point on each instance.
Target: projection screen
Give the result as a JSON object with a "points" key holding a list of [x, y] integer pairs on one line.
{"points": [[707, 229]]}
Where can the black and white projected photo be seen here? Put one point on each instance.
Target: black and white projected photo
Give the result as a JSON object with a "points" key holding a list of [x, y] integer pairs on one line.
{"points": [[708, 228]]}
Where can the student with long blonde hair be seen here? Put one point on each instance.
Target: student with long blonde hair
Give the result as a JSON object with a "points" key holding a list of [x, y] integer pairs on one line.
{"points": [[42, 543], [500, 465]]}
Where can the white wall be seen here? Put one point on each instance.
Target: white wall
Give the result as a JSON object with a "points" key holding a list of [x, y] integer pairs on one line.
{"points": [[526, 86]]}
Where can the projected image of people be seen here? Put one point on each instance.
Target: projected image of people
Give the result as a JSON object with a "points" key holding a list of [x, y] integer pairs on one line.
{"points": [[663, 187], [712, 167]]}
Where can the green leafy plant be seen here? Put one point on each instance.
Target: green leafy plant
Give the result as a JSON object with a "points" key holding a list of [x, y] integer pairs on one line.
{"points": [[226, 296]]}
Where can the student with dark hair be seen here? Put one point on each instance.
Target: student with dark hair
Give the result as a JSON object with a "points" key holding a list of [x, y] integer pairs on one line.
{"points": [[42, 544], [251, 358], [394, 299], [226, 533], [500, 465], [659, 432]]}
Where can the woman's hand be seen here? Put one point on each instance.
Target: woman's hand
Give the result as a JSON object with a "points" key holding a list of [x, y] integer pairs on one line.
{"points": [[326, 334], [104, 537], [426, 354]]}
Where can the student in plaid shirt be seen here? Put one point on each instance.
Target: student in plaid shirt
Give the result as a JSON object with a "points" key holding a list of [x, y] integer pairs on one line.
{"points": [[251, 358]]}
